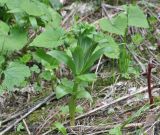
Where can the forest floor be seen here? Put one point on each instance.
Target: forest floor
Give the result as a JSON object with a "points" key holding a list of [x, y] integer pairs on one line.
{"points": [[117, 101]]}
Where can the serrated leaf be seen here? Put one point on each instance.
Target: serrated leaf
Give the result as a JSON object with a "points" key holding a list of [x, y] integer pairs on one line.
{"points": [[15, 74], [35, 69], [116, 25], [87, 77], [137, 39], [136, 17], [50, 38], [14, 41], [26, 58]]}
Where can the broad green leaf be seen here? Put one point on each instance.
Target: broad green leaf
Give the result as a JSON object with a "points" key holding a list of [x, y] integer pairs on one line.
{"points": [[78, 58], [137, 39], [46, 57], [50, 38], [2, 2], [26, 58], [56, 4], [67, 83], [87, 77], [46, 75], [63, 58], [20, 127], [33, 8], [15, 74], [84, 94], [79, 109], [16, 10], [33, 22], [113, 48], [62, 91], [61, 128], [1, 92], [55, 17], [26, 9], [116, 131], [84, 34], [93, 58], [136, 17], [115, 25], [4, 28], [37, 87], [14, 41], [2, 60], [66, 87], [65, 109], [12, 4]]}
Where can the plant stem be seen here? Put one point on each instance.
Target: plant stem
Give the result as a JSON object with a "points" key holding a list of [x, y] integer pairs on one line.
{"points": [[124, 57], [133, 2], [72, 104]]}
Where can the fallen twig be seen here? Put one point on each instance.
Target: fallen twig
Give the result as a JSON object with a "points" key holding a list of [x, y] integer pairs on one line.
{"points": [[102, 127], [26, 126], [94, 130]]}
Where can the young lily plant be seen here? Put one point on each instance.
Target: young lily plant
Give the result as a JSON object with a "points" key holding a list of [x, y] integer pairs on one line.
{"points": [[89, 45]]}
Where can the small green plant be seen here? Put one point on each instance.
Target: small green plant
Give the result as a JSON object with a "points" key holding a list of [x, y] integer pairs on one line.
{"points": [[132, 16], [87, 46], [79, 59], [61, 128], [20, 127]]}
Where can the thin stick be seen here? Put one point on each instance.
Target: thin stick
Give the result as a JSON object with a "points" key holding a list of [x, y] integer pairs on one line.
{"points": [[26, 126], [97, 70], [102, 127], [145, 132]]}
